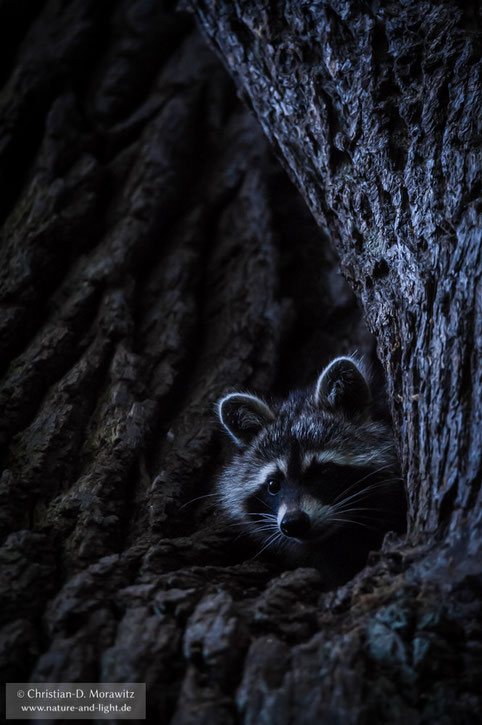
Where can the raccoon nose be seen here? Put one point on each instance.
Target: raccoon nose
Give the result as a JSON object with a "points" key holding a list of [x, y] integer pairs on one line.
{"points": [[295, 524]]}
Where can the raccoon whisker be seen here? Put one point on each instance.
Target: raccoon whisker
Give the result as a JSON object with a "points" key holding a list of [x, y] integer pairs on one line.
{"points": [[385, 482], [353, 510], [353, 498], [281, 540], [263, 522], [262, 525], [257, 527], [360, 480], [364, 517], [377, 470], [270, 541], [340, 509], [284, 543], [250, 528], [272, 520], [365, 490], [278, 465], [353, 501], [260, 500], [375, 484], [271, 528], [379, 519], [257, 524], [265, 518], [242, 533], [350, 521], [207, 495], [240, 523]]}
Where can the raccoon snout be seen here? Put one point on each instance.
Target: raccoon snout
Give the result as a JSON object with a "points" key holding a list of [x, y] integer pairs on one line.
{"points": [[295, 524]]}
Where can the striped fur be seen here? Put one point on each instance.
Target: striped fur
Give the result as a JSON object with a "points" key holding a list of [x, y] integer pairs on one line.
{"points": [[335, 467]]}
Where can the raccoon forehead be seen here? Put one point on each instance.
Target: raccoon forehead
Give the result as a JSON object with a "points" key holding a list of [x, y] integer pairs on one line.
{"points": [[361, 457], [321, 439], [308, 433]]}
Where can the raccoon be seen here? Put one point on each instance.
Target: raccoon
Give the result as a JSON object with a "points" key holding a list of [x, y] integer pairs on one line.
{"points": [[316, 476]]}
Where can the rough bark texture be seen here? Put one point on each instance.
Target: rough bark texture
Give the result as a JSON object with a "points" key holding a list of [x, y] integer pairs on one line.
{"points": [[153, 257], [376, 107]]}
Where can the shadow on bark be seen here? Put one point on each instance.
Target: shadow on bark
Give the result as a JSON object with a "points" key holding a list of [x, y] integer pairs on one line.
{"points": [[153, 257]]}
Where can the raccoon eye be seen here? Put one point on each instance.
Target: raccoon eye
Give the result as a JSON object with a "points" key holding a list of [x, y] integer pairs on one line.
{"points": [[273, 486]]}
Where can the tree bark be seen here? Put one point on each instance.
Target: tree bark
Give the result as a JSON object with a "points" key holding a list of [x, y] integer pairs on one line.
{"points": [[375, 110], [153, 257]]}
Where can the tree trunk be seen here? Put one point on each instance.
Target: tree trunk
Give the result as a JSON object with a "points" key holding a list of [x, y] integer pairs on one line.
{"points": [[153, 257], [375, 111]]}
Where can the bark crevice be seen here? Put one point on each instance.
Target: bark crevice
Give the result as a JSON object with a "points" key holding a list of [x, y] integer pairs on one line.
{"points": [[154, 256]]}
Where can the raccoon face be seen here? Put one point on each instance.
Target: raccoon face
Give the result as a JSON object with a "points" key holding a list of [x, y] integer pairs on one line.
{"points": [[314, 466]]}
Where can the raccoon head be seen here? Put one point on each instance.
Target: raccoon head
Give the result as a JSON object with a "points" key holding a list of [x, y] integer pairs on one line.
{"points": [[312, 466]]}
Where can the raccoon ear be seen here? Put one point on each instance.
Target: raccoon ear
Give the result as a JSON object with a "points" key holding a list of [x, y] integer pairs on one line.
{"points": [[342, 385], [243, 416]]}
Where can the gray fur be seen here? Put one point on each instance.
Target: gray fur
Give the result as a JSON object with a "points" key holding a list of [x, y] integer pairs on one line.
{"points": [[328, 459]]}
